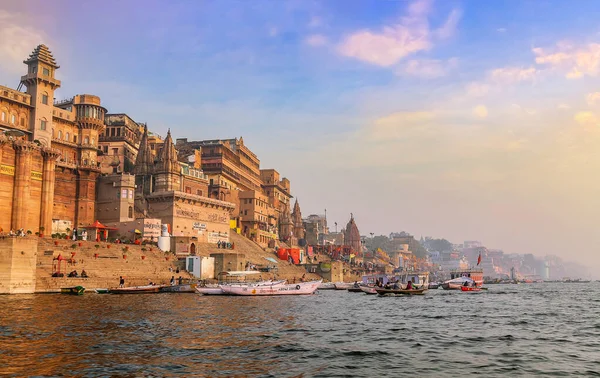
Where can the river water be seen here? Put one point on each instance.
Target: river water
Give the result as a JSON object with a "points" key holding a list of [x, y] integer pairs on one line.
{"points": [[511, 330]]}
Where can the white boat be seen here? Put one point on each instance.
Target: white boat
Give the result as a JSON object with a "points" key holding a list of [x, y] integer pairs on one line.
{"points": [[216, 289], [302, 288], [210, 290], [368, 289], [342, 285], [327, 286]]}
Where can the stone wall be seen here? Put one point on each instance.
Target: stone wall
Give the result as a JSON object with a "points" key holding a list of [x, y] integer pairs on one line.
{"points": [[18, 260]]}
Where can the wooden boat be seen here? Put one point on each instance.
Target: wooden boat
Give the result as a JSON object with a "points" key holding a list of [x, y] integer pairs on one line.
{"points": [[327, 286], [368, 289], [382, 291], [302, 288], [355, 288], [189, 288], [148, 289], [102, 291], [210, 290], [468, 288], [342, 285], [74, 290]]}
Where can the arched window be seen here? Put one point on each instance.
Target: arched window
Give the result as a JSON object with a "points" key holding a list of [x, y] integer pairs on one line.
{"points": [[93, 141], [13, 119], [130, 212], [86, 140], [45, 98], [22, 121], [67, 137], [43, 124], [3, 117], [59, 134]]}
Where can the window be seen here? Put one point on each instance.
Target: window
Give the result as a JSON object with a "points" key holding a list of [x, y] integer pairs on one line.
{"points": [[115, 151], [3, 118], [59, 134], [93, 141], [45, 99], [124, 193], [188, 190], [86, 140], [22, 121], [199, 192], [43, 124], [130, 193], [74, 138], [13, 119], [46, 71], [67, 137], [105, 149], [130, 212]]}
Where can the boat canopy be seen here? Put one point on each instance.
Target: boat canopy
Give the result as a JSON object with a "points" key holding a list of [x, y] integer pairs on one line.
{"points": [[460, 280]]}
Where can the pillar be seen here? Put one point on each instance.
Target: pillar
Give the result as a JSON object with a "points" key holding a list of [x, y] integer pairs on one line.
{"points": [[50, 155], [21, 190]]}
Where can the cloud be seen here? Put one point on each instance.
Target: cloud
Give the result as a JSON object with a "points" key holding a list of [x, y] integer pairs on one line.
{"points": [[593, 98], [400, 125], [480, 111], [427, 68], [450, 26], [316, 40], [477, 89], [392, 43], [513, 74], [17, 40], [576, 62], [501, 30], [563, 106]]}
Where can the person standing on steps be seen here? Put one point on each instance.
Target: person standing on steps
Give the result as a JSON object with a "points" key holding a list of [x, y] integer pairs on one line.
{"points": [[121, 281]]}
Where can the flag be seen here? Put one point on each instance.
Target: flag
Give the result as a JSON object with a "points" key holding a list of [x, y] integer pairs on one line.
{"points": [[479, 259]]}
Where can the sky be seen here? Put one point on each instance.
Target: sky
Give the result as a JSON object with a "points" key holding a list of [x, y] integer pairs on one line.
{"points": [[467, 120]]}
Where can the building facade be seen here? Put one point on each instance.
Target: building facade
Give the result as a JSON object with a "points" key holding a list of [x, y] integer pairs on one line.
{"points": [[48, 152]]}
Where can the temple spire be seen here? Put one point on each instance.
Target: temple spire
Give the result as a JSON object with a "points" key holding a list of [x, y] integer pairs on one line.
{"points": [[168, 157], [143, 160]]}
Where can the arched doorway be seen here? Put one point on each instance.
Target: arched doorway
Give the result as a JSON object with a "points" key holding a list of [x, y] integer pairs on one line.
{"points": [[193, 249]]}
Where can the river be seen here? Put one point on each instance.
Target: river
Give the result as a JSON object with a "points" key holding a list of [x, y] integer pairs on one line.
{"points": [[510, 330]]}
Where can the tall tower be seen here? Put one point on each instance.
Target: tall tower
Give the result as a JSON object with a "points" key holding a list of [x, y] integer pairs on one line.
{"points": [[167, 169], [143, 175], [41, 84], [297, 220], [90, 121]]}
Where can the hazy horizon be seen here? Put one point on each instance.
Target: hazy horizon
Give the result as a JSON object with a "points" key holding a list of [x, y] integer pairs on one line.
{"points": [[463, 120]]}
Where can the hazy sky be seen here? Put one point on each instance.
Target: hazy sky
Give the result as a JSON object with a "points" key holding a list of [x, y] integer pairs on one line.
{"points": [[469, 120]]}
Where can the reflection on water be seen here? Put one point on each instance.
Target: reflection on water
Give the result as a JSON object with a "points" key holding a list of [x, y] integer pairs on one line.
{"points": [[548, 329]]}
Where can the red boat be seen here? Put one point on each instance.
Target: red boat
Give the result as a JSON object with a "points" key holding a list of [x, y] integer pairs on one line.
{"points": [[468, 288]]}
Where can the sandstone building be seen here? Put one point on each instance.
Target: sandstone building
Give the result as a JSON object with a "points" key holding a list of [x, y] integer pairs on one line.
{"points": [[48, 152]]}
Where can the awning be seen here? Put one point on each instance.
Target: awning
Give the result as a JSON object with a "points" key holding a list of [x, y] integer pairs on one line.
{"points": [[99, 226], [137, 231]]}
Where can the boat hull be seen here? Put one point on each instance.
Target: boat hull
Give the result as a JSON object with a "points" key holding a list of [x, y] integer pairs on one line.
{"points": [[368, 290], [327, 286], [75, 290], [102, 291], [136, 290], [342, 285], [210, 290], [463, 288], [355, 290], [302, 288], [191, 288], [382, 292]]}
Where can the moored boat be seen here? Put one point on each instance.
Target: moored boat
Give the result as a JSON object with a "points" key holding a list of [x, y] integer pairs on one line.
{"points": [[355, 288], [189, 288], [74, 290], [327, 286], [102, 291], [210, 290], [148, 289], [302, 288], [342, 285]]}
